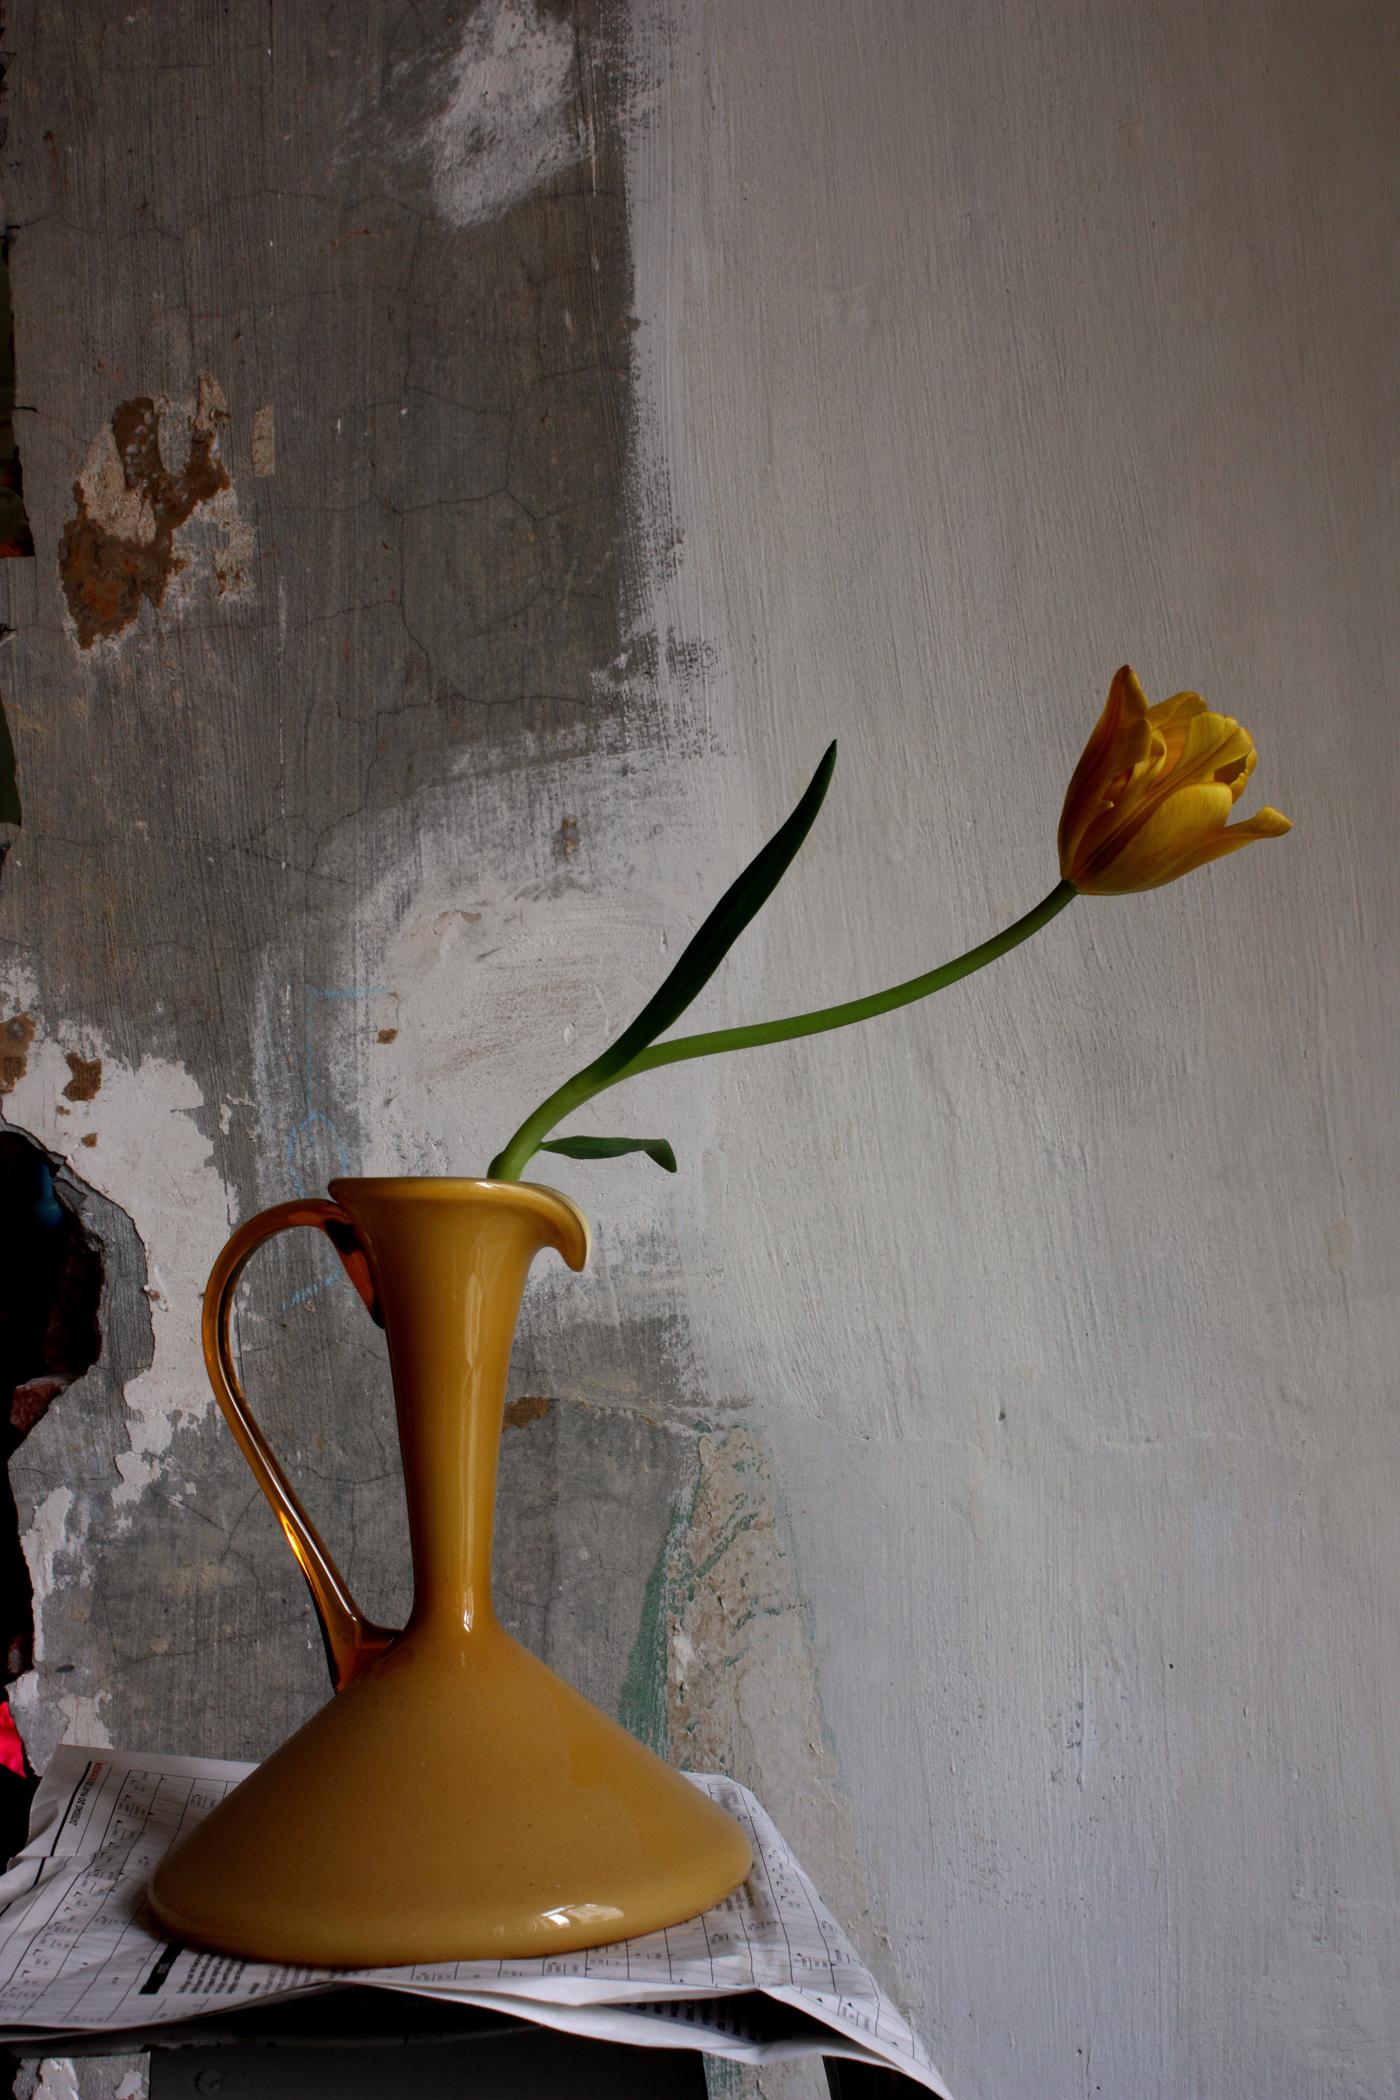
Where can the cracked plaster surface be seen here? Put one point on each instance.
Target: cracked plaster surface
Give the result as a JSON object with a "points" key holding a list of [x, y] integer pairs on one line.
{"points": [[326, 836]]}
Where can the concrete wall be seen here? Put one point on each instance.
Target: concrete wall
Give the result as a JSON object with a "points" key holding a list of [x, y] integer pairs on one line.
{"points": [[986, 1447]]}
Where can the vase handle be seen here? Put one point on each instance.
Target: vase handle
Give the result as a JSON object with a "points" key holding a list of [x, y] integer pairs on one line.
{"points": [[350, 1638]]}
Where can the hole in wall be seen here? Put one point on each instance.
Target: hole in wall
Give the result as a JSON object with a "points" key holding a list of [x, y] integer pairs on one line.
{"points": [[49, 1336]]}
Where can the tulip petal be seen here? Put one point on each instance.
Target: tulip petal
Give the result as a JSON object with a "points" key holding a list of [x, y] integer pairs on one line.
{"points": [[1266, 823], [1180, 707], [1184, 833], [1121, 741], [1236, 774], [1165, 844], [1210, 745], [1170, 717]]}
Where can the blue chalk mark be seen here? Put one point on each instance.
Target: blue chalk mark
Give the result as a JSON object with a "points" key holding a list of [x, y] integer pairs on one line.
{"points": [[310, 1290], [314, 1118], [302, 1131]]}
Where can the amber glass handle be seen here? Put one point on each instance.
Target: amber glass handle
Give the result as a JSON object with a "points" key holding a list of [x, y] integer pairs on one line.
{"points": [[351, 1639]]}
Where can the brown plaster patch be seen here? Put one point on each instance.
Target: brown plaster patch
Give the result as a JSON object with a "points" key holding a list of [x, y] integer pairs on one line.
{"points": [[119, 547], [16, 1035], [90, 1138], [387, 1035], [87, 1077], [525, 1410]]}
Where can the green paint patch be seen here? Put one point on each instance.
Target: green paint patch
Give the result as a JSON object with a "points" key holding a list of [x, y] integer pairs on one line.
{"points": [[737, 1524], [676, 1577], [642, 1705]]}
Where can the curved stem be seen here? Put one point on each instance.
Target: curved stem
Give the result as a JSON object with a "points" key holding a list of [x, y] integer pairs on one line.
{"points": [[853, 1010], [509, 1164], [511, 1161]]}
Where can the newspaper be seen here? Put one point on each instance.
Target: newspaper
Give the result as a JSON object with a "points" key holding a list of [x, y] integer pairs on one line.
{"points": [[80, 1951]]}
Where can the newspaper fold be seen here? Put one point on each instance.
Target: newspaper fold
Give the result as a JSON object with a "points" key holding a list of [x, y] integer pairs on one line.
{"points": [[80, 1952]]}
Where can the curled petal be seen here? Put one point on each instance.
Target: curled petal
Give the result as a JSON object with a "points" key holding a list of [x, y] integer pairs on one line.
{"points": [[1266, 823], [1170, 717]]}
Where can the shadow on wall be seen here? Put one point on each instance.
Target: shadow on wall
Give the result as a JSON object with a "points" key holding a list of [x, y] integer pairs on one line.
{"points": [[15, 536], [49, 1336]]}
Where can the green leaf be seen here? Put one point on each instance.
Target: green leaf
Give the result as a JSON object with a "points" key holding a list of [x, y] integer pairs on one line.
{"points": [[612, 1148], [707, 949], [9, 785], [702, 957]]}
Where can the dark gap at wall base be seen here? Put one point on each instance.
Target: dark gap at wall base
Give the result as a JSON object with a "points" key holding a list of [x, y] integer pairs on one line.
{"points": [[49, 1336]]}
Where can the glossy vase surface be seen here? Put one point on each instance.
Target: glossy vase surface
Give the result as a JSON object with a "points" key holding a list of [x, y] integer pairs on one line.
{"points": [[456, 1799]]}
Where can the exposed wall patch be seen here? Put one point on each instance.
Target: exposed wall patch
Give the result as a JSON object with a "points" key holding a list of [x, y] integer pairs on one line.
{"points": [[49, 1336], [131, 534], [87, 1077], [158, 1166], [264, 441]]}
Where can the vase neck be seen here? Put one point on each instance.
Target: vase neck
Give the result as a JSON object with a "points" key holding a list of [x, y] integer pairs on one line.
{"points": [[449, 1261]]}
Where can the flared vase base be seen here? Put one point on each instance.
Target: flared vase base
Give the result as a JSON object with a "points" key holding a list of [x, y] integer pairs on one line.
{"points": [[457, 1802]]}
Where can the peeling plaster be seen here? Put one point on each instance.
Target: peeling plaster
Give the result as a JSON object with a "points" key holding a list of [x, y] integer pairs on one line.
{"points": [[57, 2079], [48, 1537], [155, 1164], [509, 124], [140, 528], [81, 1715], [84, 2078], [56, 1536]]}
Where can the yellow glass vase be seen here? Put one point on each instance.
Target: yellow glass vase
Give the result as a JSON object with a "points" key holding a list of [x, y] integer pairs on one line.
{"points": [[455, 1800]]}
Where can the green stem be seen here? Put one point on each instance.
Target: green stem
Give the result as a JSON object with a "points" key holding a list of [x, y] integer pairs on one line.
{"points": [[510, 1163]]}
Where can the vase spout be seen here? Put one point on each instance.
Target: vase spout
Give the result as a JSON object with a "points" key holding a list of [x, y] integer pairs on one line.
{"points": [[448, 1259]]}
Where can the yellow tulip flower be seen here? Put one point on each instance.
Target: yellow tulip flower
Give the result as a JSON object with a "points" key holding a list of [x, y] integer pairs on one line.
{"points": [[1150, 796]]}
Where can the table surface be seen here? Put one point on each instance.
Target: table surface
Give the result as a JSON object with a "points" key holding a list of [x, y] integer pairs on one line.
{"points": [[334, 2044]]}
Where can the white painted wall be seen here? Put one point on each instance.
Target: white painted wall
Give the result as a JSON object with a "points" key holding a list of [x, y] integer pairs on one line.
{"points": [[985, 346]]}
